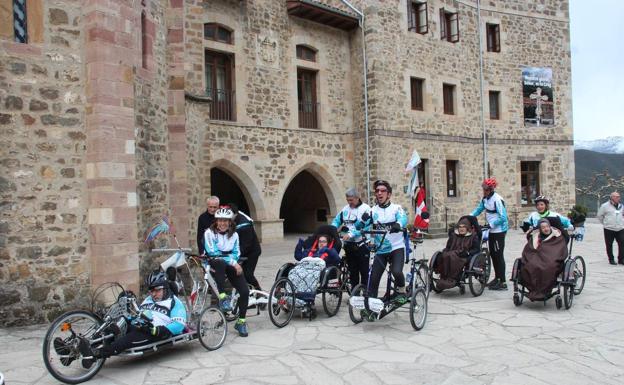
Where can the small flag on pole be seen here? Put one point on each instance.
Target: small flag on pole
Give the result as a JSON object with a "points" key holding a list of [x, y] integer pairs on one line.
{"points": [[163, 227], [419, 221]]}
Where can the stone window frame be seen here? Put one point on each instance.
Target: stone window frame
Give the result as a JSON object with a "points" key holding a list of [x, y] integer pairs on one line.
{"points": [[320, 67], [301, 49], [413, 16], [446, 13], [458, 107], [503, 114], [231, 37], [492, 29], [427, 102], [404, 19], [485, 20], [540, 176], [455, 161]]}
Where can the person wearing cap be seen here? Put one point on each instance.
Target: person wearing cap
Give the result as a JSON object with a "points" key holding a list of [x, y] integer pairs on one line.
{"points": [[356, 252], [386, 215], [496, 217], [205, 220], [542, 206], [222, 244], [611, 215]]}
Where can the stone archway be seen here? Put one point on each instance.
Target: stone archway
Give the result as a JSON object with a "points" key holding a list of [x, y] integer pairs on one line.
{"points": [[304, 204], [227, 189], [237, 186]]}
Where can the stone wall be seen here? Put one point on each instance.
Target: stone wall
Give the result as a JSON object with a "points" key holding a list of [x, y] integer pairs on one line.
{"points": [[43, 226]]}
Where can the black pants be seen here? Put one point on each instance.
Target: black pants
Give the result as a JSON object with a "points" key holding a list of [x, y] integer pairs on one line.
{"points": [[133, 338], [496, 242], [357, 260], [249, 267], [396, 259], [618, 236], [238, 281]]}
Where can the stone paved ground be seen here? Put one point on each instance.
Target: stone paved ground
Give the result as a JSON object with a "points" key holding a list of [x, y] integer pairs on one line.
{"points": [[484, 340]]}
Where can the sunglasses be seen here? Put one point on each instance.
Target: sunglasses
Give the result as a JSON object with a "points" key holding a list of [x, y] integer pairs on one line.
{"points": [[381, 190]]}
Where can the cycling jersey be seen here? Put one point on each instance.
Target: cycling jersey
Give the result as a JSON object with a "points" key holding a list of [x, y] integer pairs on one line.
{"points": [[495, 212], [382, 218], [169, 313], [535, 217], [348, 216], [222, 246]]}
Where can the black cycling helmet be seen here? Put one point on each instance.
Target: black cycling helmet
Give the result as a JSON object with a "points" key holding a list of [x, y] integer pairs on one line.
{"points": [[384, 183], [156, 279], [542, 198]]}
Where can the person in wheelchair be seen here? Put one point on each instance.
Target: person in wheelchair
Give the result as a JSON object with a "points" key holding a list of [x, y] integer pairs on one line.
{"points": [[543, 258], [542, 204], [222, 244], [321, 248], [463, 242], [162, 316]]}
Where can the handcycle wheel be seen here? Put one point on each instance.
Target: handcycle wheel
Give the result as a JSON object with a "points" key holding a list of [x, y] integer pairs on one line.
{"points": [[568, 296], [580, 274], [281, 302], [423, 280], [477, 279], [332, 298], [356, 314], [418, 309], [60, 347], [212, 328]]}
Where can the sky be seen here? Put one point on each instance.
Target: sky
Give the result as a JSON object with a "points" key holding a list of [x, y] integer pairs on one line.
{"points": [[597, 40]]}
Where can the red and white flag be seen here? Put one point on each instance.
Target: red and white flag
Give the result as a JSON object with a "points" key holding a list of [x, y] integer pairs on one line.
{"points": [[421, 208]]}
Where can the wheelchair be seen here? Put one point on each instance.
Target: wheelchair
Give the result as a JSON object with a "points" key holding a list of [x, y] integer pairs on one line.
{"points": [[476, 271], [569, 282], [285, 298]]}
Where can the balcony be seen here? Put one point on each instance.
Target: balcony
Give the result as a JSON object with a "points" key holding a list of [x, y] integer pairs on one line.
{"points": [[222, 104], [308, 114], [321, 13]]}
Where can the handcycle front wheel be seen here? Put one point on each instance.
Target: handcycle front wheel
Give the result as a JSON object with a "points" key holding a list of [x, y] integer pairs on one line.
{"points": [[418, 309], [281, 302], [212, 328], [356, 314], [61, 355], [332, 296]]}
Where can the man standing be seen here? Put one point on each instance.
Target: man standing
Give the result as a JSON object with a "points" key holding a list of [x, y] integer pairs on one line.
{"points": [[496, 216], [249, 245], [355, 250], [205, 220], [611, 216]]}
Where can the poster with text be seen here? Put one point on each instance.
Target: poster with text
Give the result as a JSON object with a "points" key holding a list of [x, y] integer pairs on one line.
{"points": [[537, 97]]}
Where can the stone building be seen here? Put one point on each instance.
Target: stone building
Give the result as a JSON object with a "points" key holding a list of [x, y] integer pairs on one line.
{"points": [[116, 112]]}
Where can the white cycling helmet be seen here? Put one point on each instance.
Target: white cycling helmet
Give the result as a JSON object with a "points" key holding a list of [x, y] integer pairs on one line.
{"points": [[224, 213]]}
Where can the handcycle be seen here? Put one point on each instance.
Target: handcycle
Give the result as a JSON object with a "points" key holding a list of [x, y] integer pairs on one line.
{"points": [[61, 345], [362, 306], [570, 281]]}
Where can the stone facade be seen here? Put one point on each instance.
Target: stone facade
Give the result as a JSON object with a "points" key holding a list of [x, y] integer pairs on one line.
{"points": [[106, 125]]}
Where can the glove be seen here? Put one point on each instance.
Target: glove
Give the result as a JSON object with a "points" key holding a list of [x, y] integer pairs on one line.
{"points": [[159, 331], [144, 327], [365, 217], [525, 226], [146, 315], [395, 228]]}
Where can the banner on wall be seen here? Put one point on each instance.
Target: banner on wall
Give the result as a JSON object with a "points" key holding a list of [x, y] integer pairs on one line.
{"points": [[537, 97]]}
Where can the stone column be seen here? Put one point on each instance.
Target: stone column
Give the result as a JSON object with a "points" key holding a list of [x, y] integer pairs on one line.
{"points": [[111, 52]]}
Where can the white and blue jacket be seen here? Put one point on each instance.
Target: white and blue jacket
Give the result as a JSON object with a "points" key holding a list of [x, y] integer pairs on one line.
{"points": [[382, 218], [348, 216], [169, 313], [535, 217], [495, 213], [222, 246]]}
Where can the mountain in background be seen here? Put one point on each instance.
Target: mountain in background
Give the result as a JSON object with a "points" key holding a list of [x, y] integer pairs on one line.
{"points": [[589, 163], [610, 145]]}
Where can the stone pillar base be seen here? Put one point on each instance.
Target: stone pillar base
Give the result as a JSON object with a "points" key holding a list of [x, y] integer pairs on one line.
{"points": [[269, 229]]}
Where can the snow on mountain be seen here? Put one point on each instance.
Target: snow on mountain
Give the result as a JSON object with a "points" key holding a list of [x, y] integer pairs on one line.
{"points": [[610, 145]]}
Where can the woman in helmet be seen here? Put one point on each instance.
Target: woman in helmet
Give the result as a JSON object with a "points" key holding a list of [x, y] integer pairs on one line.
{"points": [[541, 205], [496, 216], [221, 243]]}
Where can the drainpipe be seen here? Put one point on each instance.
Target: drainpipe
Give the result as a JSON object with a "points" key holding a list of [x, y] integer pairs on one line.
{"points": [[485, 155], [364, 70]]}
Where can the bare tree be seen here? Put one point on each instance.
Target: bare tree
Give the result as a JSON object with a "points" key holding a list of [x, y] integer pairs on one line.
{"points": [[600, 186]]}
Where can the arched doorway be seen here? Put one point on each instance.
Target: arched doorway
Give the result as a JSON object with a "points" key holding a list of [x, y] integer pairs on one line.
{"points": [[227, 189], [304, 204]]}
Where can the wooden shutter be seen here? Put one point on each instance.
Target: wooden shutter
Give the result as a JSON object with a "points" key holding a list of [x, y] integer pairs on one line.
{"points": [[442, 24], [423, 28]]}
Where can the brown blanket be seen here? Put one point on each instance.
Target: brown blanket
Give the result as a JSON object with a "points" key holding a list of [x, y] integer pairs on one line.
{"points": [[454, 257], [542, 261]]}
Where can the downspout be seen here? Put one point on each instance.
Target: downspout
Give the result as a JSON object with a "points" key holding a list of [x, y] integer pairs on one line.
{"points": [[364, 70], [485, 155]]}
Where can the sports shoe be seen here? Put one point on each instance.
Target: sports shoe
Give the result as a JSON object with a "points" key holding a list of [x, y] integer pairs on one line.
{"points": [[500, 285], [241, 327], [368, 315], [611, 261], [400, 299], [62, 349], [493, 282], [224, 304]]}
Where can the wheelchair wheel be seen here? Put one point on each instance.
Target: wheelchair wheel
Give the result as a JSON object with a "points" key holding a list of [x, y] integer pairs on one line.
{"points": [[580, 274], [517, 298], [356, 314], [568, 296], [418, 309], [212, 328], [60, 347], [477, 278], [281, 302], [433, 276], [558, 302], [332, 298]]}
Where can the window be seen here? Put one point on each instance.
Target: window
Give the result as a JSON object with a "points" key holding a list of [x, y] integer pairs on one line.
{"points": [[448, 95], [217, 32], [417, 19], [449, 26], [143, 40], [306, 53], [20, 29], [451, 178], [219, 85], [422, 174], [306, 97], [529, 182], [494, 105], [416, 87], [493, 37]]}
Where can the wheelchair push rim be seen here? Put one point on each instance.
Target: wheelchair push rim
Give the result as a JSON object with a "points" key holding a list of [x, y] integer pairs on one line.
{"points": [[60, 347], [580, 274], [212, 328], [479, 274], [332, 299], [281, 302]]}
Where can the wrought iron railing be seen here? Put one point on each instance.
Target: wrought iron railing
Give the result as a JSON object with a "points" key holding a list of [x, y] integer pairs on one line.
{"points": [[308, 114], [222, 104]]}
